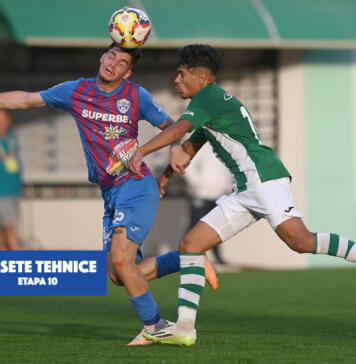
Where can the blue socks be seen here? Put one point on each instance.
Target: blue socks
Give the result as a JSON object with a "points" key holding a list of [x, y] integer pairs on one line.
{"points": [[168, 263], [146, 308]]}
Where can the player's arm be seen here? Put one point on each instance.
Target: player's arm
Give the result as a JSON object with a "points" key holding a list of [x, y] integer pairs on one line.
{"points": [[179, 159], [16, 100], [166, 137], [166, 124], [154, 114], [189, 147]]}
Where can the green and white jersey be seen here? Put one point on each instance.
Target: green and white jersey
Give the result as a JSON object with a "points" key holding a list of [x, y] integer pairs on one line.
{"points": [[221, 119]]}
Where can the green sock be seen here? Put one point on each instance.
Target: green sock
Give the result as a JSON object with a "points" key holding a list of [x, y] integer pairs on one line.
{"points": [[192, 282], [334, 245]]}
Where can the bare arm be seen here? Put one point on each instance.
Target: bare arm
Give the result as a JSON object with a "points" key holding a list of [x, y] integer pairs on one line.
{"points": [[166, 125], [192, 148], [179, 159], [189, 147], [20, 100], [172, 133]]}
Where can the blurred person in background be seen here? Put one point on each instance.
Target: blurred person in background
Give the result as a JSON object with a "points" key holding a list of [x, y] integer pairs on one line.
{"points": [[207, 179], [10, 184]]}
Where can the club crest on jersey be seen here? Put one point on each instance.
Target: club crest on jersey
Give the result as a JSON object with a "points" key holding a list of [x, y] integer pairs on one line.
{"points": [[123, 105], [227, 96]]}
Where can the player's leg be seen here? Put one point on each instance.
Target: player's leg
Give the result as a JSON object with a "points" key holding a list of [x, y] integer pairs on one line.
{"points": [[295, 234], [170, 263], [162, 265], [300, 239], [129, 214], [3, 245], [123, 255], [192, 281], [148, 266], [287, 223], [220, 224], [9, 221], [11, 238]]}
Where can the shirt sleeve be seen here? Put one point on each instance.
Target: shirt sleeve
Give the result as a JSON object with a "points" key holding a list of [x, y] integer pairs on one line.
{"points": [[149, 110], [59, 95], [196, 113]]}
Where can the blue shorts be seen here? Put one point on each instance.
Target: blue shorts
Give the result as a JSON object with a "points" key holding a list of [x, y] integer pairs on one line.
{"points": [[133, 205]]}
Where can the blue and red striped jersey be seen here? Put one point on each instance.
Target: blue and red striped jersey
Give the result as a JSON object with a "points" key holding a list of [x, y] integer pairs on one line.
{"points": [[106, 120]]}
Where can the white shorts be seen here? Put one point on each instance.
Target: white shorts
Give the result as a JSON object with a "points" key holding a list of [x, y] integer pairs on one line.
{"points": [[271, 200]]}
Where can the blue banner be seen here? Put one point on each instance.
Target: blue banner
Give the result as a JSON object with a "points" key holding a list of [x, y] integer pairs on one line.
{"points": [[53, 273]]}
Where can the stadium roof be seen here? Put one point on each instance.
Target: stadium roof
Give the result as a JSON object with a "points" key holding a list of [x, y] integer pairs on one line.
{"points": [[222, 23]]}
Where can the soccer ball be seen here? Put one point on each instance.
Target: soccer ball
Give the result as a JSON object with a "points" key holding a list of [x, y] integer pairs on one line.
{"points": [[129, 27]]}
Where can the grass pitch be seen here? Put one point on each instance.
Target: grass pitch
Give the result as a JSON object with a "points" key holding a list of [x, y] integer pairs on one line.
{"points": [[255, 317]]}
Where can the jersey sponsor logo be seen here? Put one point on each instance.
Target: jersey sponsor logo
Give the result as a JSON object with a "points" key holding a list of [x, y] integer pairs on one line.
{"points": [[123, 105], [111, 118], [113, 132], [187, 112], [289, 209], [227, 96]]}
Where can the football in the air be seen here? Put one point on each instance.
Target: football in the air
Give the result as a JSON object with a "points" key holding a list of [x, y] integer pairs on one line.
{"points": [[129, 27]]}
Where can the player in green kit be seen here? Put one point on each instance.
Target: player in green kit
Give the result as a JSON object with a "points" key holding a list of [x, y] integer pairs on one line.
{"points": [[261, 190]]}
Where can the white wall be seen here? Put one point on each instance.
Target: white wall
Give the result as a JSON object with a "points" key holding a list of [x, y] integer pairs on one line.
{"points": [[61, 224]]}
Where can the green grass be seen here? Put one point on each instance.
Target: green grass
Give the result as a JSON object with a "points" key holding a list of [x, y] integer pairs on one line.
{"points": [[255, 317]]}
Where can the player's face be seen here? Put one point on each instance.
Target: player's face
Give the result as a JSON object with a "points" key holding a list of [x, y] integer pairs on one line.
{"points": [[188, 82], [115, 65]]}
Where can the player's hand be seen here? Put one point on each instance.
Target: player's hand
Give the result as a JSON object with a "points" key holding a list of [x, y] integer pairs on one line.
{"points": [[162, 183], [179, 159], [134, 164]]}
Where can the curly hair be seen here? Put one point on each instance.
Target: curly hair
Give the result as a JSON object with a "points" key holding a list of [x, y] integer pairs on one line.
{"points": [[200, 55]]}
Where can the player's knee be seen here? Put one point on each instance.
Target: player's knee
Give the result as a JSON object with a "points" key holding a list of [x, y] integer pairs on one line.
{"points": [[183, 246], [119, 262]]}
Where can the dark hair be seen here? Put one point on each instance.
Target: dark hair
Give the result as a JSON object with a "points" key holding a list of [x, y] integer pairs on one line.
{"points": [[135, 53], [200, 55]]}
